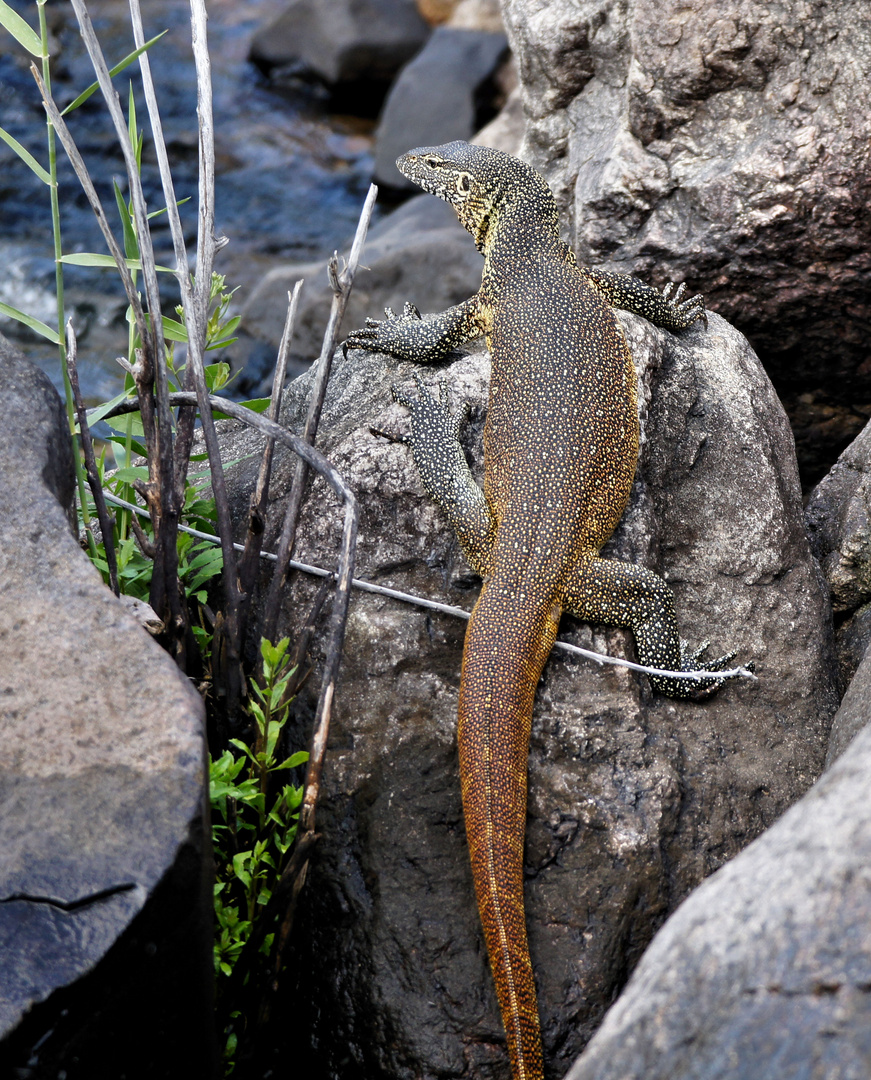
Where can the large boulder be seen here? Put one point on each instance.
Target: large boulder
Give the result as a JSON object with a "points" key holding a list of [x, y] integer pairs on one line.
{"points": [[105, 865], [764, 971], [634, 799], [346, 43], [720, 143], [839, 525], [437, 97]]}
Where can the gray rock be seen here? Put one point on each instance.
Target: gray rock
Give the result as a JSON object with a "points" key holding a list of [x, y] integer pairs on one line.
{"points": [[344, 41], [437, 97], [105, 919], [838, 516], [718, 144], [764, 971], [633, 799], [420, 251]]}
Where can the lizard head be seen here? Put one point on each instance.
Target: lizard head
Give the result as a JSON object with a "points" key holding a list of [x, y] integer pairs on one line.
{"points": [[483, 186]]}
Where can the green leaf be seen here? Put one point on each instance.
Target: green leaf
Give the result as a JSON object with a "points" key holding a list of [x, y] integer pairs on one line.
{"points": [[131, 244], [25, 155], [85, 94], [99, 411], [28, 320], [130, 473], [174, 331], [299, 758], [91, 258], [179, 202], [22, 32]]}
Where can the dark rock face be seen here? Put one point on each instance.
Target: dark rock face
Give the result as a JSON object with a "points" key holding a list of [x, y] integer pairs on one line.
{"points": [[348, 43], [720, 143], [437, 97], [105, 919], [633, 799], [839, 525], [765, 971]]}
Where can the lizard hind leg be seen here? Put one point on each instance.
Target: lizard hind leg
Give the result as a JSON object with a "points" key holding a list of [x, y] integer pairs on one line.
{"points": [[445, 473], [622, 594]]}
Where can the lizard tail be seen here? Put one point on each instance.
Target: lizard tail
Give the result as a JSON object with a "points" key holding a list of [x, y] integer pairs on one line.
{"points": [[505, 652]]}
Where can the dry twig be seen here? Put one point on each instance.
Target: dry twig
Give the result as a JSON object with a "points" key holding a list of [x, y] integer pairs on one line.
{"points": [[342, 285], [107, 522]]}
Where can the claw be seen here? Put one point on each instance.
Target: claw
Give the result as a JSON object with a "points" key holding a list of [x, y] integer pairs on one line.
{"points": [[390, 313], [387, 435], [409, 311], [681, 289], [399, 397]]}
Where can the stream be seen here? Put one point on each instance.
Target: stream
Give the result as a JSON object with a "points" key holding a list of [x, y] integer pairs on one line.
{"points": [[290, 177]]}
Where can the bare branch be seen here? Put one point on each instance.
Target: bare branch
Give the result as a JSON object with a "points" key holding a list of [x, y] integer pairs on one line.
{"points": [[342, 284], [81, 171], [163, 503], [107, 522], [257, 512]]}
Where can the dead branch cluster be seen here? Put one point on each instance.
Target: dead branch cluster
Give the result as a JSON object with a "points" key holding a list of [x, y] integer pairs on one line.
{"points": [[168, 420]]}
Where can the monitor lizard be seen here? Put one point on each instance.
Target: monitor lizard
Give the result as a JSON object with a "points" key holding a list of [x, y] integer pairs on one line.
{"points": [[560, 450]]}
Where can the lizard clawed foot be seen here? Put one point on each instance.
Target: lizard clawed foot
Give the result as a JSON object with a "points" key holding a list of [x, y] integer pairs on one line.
{"points": [[697, 689], [386, 335], [683, 313]]}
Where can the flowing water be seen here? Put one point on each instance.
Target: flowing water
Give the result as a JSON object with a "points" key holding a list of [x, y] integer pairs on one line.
{"points": [[290, 178]]}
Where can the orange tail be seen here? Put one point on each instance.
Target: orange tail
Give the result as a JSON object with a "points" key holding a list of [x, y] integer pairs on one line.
{"points": [[502, 663]]}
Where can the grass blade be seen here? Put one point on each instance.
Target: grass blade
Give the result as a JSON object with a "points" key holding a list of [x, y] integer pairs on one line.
{"points": [[23, 33], [85, 94], [25, 155], [91, 258], [28, 320]]}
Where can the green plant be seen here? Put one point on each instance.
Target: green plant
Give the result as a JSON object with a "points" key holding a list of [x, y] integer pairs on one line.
{"points": [[254, 818]]}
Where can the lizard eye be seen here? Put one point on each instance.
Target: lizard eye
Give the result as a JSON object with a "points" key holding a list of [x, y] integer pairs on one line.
{"points": [[431, 162]]}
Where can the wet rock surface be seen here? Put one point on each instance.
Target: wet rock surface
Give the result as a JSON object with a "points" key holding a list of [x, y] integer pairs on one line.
{"points": [[105, 897], [765, 970], [721, 144], [633, 799]]}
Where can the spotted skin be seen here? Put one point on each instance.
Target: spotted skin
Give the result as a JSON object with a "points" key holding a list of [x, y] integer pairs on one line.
{"points": [[560, 449]]}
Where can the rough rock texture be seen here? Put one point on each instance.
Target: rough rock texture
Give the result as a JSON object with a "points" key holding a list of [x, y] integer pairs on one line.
{"points": [[344, 41], [839, 525], [438, 97], [633, 799], [721, 142], [853, 715], [105, 899], [765, 971]]}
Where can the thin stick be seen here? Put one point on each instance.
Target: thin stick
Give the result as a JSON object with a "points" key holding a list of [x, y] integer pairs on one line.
{"points": [[107, 522], [81, 171], [461, 613], [342, 285], [195, 302], [164, 596], [186, 418], [257, 510]]}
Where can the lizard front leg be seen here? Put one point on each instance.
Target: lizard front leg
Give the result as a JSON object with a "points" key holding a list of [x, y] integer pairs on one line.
{"points": [[445, 474], [422, 339], [667, 308]]}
